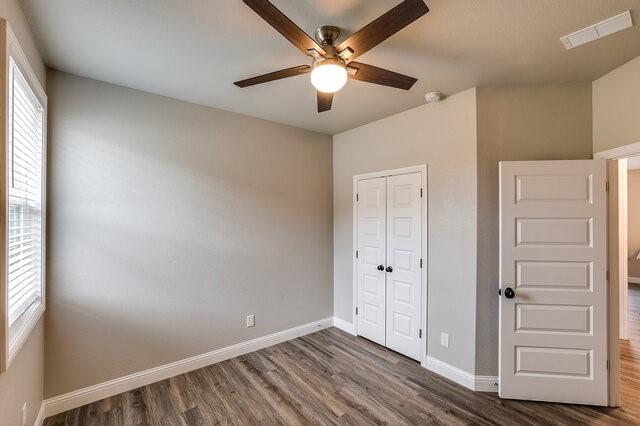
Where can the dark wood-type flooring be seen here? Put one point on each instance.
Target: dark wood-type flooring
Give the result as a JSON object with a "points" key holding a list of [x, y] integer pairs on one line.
{"points": [[330, 377]]}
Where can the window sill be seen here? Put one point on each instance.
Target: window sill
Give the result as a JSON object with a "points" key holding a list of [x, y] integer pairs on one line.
{"points": [[19, 332]]}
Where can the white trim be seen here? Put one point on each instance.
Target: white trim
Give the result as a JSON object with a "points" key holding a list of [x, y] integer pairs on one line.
{"points": [[393, 172], [614, 326], [24, 332], [344, 326], [455, 374], [462, 377], [633, 280], [40, 418], [422, 169], [80, 397], [630, 150], [486, 384], [15, 51]]}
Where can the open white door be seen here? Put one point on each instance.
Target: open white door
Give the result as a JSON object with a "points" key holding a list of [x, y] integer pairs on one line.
{"points": [[553, 302]]}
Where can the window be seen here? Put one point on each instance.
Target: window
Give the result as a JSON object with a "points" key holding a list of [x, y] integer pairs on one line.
{"points": [[23, 208], [24, 163]]}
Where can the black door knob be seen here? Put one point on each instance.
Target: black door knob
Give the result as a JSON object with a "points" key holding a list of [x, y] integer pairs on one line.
{"points": [[389, 269], [509, 293], [380, 268]]}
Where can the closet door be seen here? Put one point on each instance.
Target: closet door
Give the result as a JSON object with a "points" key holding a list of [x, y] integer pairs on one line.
{"points": [[371, 259], [404, 275]]}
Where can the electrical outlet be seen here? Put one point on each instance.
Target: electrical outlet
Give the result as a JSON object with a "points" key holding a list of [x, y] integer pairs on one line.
{"points": [[24, 414], [251, 320], [444, 339]]}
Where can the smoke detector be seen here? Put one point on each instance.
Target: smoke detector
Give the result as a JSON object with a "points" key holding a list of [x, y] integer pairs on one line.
{"points": [[433, 97]]}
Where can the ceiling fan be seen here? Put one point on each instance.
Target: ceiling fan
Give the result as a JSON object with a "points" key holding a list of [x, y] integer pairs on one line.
{"points": [[333, 65]]}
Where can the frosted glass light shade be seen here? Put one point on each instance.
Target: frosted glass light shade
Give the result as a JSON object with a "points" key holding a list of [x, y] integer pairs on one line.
{"points": [[329, 76]]}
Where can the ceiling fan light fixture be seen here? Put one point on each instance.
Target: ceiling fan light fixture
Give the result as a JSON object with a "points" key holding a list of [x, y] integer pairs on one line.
{"points": [[329, 75]]}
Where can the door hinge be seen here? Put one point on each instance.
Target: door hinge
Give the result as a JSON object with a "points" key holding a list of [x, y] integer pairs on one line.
{"points": [[420, 333], [607, 275], [608, 364], [356, 311], [607, 186], [420, 263], [420, 192], [356, 254], [357, 197]]}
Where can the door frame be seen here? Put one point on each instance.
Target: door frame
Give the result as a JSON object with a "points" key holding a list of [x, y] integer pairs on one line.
{"points": [[613, 155], [424, 244]]}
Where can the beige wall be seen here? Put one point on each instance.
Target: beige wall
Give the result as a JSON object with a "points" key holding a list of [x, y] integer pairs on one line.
{"points": [[633, 233], [169, 223], [23, 382], [542, 122], [443, 136], [11, 10], [616, 106]]}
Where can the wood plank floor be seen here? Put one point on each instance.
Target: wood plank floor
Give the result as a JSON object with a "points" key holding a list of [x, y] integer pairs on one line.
{"points": [[330, 377]]}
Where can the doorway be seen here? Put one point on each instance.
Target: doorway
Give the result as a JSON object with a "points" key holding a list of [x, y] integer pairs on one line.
{"points": [[624, 265], [625, 274], [389, 265]]}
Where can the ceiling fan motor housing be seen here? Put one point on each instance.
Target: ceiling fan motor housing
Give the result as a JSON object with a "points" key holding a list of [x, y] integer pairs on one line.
{"points": [[327, 35]]}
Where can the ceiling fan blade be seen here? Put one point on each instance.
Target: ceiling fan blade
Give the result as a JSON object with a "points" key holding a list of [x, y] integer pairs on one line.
{"points": [[376, 75], [324, 101], [384, 27], [284, 26], [276, 75]]}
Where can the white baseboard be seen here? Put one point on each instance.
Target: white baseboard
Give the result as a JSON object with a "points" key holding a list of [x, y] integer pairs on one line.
{"points": [[633, 280], [464, 378], [80, 397], [344, 326], [486, 384], [41, 416]]}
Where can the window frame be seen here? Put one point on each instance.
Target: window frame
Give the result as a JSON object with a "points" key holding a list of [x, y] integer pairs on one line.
{"points": [[13, 340]]}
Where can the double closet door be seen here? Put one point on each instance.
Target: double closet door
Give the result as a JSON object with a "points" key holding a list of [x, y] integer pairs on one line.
{"points": [[389, 263]]}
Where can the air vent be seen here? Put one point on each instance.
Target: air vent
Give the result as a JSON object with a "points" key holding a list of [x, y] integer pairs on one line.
{"points": [[601, 29]]}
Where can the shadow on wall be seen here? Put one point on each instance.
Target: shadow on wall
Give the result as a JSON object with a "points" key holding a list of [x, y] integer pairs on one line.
{"points": [[168, 223]]}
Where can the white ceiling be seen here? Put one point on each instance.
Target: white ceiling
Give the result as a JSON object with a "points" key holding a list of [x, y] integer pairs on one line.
{"points": [[194, 50]]}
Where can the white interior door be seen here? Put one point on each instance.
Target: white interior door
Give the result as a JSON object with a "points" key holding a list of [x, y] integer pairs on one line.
{"points": [[371, 259], [404, 283], [553, 303]]}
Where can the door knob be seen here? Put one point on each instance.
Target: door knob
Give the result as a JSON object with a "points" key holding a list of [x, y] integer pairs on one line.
{"points": [[380, 268], [509, 293], [389, 269]]}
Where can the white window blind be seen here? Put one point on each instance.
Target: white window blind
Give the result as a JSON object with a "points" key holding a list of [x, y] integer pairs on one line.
{"points": [[25, 167]]}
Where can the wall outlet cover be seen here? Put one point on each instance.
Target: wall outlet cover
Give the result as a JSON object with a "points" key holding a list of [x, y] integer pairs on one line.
{"points": [[251, 320], [444, 339]]}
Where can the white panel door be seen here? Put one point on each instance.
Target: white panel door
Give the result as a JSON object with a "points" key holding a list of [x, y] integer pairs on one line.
{"points": [[371, 259], [553, 302], [404, 283]]}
